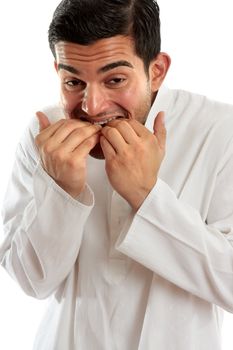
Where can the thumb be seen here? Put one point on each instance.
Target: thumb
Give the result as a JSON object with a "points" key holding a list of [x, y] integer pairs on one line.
{"points": [[160, 130], [44, 122]]}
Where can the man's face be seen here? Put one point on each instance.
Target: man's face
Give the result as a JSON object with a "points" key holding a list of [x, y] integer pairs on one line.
{"points": [[103, 81]]}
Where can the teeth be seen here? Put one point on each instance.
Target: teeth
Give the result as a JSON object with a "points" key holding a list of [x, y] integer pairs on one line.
{"points": [[104, 121]]}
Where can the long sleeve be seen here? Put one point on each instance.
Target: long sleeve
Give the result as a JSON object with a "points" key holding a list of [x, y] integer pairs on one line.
{"points": [[43, 226], [170, 237]]}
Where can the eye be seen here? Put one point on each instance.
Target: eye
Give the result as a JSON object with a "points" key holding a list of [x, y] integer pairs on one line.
{"points": [[73, 83], [116, 82]]}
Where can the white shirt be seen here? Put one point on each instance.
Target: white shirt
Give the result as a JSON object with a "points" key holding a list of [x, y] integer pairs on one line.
{"points": [[157, 279]]}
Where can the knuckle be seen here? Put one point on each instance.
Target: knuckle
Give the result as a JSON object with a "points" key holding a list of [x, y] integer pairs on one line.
{"points": [[46, 148], [38, 141], [140, 148], [91, 129], [57, 156], [123, 124], [130, 121], [90, 142], [61, 121], [127, 155], [82, 132], [110, 132], [72, 163], [70, 125]]}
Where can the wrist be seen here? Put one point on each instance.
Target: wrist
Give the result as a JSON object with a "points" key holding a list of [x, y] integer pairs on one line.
{"points": [[139, 197]]}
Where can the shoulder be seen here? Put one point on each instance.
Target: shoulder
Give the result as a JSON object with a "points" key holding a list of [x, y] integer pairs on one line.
{"points": [[201, 105], [198, 113]]}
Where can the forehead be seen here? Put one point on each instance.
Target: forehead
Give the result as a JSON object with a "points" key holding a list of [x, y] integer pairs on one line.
{"points": [[100, 52]]}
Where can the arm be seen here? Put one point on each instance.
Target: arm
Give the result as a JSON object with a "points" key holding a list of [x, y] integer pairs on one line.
{"points": [[170, 237], [43, 225], [166, 234]]}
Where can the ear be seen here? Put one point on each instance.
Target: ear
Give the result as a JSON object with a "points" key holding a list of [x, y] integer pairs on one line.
{"points": [[158, 70]]}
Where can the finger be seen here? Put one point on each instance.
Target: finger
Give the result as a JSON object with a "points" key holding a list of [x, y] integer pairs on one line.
{"points": [[160, 130], [86, 146], [138, 128], [44, 122], [58, 131], [78, 136], [67, 127], [114, 138], [125, 129], [46, 134], [107, 148]]}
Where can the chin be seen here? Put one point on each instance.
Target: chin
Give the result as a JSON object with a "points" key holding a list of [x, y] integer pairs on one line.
{"points": [[97, 152]]}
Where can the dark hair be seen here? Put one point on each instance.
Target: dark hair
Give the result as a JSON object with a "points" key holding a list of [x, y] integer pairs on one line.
{"points": [[86, 21]]}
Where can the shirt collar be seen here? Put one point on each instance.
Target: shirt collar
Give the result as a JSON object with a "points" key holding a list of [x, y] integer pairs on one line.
{"points": [[161, 103]]}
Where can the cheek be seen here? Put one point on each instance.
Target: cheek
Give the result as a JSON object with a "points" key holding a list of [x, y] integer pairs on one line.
{"points": [[69, 102], [135, 98], [139, 102], [128, 99]]}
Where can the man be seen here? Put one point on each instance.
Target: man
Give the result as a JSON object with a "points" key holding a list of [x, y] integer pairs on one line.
{"points": [[131, 239]]}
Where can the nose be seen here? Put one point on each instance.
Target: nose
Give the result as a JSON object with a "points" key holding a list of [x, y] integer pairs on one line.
{"points": [[94, 101]]}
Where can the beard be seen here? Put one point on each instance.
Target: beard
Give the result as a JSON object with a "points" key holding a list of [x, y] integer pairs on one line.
{"points": [[97, 152]]}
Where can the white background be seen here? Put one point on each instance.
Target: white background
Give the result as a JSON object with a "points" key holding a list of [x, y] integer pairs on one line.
{"points": [[198, 36]]}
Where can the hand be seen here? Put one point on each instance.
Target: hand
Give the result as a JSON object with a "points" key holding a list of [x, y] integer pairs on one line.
{"points": [[63, 148], [133, 157]]}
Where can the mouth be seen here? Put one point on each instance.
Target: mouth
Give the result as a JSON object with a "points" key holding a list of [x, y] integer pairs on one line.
{"points": [[102, 122]]}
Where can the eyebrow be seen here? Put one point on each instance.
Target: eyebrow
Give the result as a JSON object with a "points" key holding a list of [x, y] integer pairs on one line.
{"points": [[115, 65], [103, 69], [68, 68]]}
